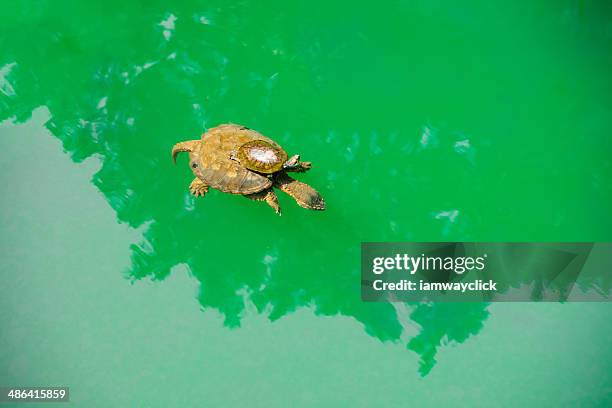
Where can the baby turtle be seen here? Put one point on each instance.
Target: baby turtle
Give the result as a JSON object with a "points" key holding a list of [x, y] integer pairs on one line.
{"points": [[267, 158], [237, 160]]}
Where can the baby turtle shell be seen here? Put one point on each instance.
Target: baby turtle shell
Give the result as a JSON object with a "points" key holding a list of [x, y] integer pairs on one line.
{"points": [[261, 156]]}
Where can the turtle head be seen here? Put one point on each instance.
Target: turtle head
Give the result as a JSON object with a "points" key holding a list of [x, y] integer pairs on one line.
{"points": [[188, 146]]}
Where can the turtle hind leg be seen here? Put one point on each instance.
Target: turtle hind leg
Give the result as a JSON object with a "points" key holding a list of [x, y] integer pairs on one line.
{"points": [[302, 193], [269, 196], [198, 188]]}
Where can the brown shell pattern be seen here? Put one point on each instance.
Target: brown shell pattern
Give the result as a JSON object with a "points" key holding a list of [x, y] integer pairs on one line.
{"points": [[214, 166], [261, 156]]}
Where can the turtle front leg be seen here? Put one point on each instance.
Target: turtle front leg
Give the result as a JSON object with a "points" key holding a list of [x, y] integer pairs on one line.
{"points": [[302, 167], [294, 164], [269, 196], [198, 188]]}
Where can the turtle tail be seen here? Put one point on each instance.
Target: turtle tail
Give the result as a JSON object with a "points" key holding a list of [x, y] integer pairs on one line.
{"points": [[304, 195], [188, 146]]}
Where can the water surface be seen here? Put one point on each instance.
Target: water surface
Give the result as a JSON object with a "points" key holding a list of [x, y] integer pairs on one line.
{"points": [[425, 121]]}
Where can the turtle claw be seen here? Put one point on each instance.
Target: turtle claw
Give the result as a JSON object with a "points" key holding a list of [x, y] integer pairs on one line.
{"points": [[305, 166], [300, 167], [269, 197], [198, 188]]}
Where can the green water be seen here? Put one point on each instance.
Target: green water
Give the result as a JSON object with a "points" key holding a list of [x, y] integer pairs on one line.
{"points": [[425, 120]]}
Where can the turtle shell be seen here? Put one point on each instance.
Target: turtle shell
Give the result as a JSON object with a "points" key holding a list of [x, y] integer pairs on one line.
{"points": [[261, 156], [212, 164]]}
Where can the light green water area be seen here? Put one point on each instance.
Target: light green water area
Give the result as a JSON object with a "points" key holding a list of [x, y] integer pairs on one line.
{"points": [[425, 121]]}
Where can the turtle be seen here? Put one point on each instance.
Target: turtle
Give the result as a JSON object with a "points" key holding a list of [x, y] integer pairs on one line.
{"points": [[237, 160]]}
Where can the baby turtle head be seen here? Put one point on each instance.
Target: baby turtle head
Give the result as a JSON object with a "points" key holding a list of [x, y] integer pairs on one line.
{"points": [[261, 156]]}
